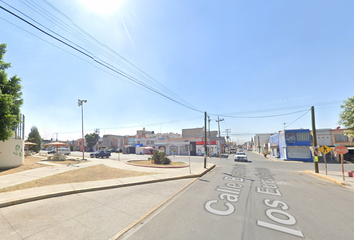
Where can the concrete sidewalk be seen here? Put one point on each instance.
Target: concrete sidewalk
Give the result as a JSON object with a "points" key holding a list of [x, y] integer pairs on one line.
{"points": [[332, 176], [335, 177], [33, 194]]}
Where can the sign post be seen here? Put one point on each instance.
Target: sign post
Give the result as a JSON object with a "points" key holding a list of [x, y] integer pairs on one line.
{"points": [[189, 157], [341, 150], [324, 149]]}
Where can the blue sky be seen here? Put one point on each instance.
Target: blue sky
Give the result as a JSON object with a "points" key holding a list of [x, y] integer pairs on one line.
{"points": [[241, 60]]}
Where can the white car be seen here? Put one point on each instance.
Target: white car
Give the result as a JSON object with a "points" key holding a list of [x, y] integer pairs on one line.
{"points": [[240, 157], [64, 150]]}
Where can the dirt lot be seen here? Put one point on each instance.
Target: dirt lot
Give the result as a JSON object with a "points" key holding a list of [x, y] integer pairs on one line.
{"points": [[94, 173], [29, 163]]}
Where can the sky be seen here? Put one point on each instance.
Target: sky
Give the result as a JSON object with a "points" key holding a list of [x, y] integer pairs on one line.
{"points": [[258, 65]]}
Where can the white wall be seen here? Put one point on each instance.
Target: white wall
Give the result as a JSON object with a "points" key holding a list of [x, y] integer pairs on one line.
{"points": [[11, 153]]}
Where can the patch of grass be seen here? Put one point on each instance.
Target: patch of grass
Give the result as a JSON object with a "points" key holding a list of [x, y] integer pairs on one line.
{"points": [[148, 163], [94, 173]]}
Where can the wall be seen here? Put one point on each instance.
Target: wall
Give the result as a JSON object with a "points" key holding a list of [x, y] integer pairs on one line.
{"points": [[294, 145], [260, 140], [192, 132], [340, 131], [324, 137], [11, 153]]}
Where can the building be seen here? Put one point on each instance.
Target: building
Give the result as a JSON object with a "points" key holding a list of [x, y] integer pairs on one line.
{"points": [[324, 137], [274, 145], [261, 142], [198, 132], [211, 135], [339, 138], [143, 132], [295, 145]]}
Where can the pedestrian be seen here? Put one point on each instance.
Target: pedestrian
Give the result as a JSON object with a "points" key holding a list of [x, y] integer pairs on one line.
{"points": [[265, 154]]}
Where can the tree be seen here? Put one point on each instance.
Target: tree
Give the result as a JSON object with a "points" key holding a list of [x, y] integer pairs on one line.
{"points": [[35, 137], [10, 99], [347, 116], [91, 139]]}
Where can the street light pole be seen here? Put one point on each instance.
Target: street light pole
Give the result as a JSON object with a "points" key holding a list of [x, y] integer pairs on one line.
{"points": [[80, 103]]}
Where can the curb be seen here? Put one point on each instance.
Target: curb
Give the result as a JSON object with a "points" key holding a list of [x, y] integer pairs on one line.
{"points": [[138, 165], [133, 224], [136, 222], [325, 177], [91, 189]]}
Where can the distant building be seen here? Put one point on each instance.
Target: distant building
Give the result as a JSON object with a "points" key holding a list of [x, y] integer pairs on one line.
{"points": [[212, 136], [261, 142], [143, 132], [197, 132]]}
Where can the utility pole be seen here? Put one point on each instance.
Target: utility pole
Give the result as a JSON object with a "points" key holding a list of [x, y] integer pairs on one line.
{"points": [[205, 138], [218, 121], [259, 146], [209, 134], [314, 138], [227, 133], [57, 136], [81, 103]]}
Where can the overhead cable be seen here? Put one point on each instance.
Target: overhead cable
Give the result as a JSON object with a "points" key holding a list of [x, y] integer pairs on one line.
{"points": [[104, 64]]}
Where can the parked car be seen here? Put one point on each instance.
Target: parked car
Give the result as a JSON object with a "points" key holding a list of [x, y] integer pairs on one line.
{"points": [[240, 157], [100, 154], [52, 151], [112, 150]]}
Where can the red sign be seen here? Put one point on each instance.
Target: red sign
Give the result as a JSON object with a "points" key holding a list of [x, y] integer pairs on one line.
{"points": [[202, 143], [341, 150]]}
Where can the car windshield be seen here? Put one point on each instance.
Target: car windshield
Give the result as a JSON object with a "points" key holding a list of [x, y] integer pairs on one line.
{"points": [[240, 153]]}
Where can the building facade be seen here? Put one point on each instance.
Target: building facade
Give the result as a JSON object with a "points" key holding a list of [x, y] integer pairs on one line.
{"points": [[295, 145]]}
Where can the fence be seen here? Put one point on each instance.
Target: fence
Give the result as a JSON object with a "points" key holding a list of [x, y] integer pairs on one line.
{"points": [[20, 129]]}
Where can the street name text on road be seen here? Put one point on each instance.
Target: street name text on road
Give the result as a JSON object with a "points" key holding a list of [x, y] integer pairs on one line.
{"points": [[230, 193], [269, 187]]}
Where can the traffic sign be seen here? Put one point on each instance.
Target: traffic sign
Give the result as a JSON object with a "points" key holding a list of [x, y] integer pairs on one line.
{"points": [[341, 150], [324, 149]]}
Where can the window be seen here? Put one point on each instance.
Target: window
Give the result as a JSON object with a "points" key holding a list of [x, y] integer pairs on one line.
{"points": [[341, 138], [303, 137]]}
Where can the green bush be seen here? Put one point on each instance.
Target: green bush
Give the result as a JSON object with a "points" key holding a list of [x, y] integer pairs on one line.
{"points": [[159, 157]]}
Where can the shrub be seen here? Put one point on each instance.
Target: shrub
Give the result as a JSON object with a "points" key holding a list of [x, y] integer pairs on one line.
{"points": [[159, 157]]}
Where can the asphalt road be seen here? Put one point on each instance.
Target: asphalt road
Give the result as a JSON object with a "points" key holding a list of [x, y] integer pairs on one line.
{"points": [[261, 199]]}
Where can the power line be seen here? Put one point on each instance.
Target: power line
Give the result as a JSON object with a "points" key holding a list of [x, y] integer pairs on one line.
{"points": [[278, 109], [267, 116], [104, 64], [297, 118], [124, 62]]}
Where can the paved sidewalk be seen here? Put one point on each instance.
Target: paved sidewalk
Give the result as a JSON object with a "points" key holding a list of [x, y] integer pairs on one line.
{"points": [[335, 177], [332, 176], [26, 195]]}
